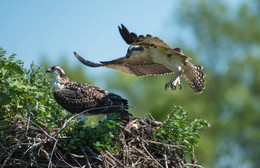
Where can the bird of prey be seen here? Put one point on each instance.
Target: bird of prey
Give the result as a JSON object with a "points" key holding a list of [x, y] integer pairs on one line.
{"points": [[78, 97], [148, 55]]}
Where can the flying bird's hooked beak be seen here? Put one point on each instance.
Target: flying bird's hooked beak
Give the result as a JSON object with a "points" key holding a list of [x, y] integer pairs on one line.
{"points": [[134, 48]]}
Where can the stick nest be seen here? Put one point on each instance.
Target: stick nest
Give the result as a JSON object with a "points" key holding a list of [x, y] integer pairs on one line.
{"points": [[29, 145]]}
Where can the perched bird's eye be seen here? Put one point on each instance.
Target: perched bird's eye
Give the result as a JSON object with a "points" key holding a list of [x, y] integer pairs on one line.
{"points": [[53, 68]]}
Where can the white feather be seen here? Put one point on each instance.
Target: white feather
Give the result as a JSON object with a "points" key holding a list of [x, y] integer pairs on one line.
{"points": [[56, 85]]}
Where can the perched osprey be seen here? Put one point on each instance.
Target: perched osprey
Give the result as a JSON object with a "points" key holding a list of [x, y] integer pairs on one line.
{"points": [[149, 55], [78, 97]]}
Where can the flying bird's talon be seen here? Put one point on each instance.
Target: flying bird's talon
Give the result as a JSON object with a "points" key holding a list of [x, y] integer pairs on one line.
{"points": [[166, 86], [173, 86]]}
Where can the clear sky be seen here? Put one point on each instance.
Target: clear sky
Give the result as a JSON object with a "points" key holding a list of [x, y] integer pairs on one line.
{"points": [[32, 29]]}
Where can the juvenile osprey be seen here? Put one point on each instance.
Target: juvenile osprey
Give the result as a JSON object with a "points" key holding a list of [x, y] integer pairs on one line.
{"points": [[78, 97], [149, 55]]}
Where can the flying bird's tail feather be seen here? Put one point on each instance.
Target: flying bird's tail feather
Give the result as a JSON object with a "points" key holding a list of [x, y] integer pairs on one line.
{"points": [[195, 77], [86, 62]]}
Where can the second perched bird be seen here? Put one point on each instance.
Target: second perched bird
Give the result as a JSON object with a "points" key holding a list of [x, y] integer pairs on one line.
{"points": [[78, 97]]}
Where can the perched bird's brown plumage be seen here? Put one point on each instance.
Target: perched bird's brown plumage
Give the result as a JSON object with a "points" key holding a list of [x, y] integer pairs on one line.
{"points": [[148, 55], [78, 97]]}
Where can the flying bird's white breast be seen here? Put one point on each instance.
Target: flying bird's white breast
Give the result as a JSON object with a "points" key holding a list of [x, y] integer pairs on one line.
{"points": [[167, 58], [161, 56]]}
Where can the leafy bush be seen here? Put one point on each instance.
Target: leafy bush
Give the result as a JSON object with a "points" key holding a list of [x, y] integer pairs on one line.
{"points": [[26, 92], [179, 130], [99, 136]]}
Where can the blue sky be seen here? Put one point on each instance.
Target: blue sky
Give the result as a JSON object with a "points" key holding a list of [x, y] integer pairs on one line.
{"points": [[33, 29]]}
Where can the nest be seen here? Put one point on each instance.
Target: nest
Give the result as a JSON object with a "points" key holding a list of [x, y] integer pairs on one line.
{"points": [[29, 145]]}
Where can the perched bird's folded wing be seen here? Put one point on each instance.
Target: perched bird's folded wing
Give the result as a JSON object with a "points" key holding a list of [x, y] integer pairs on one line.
{"points": [[101, 98], [74, 101]]}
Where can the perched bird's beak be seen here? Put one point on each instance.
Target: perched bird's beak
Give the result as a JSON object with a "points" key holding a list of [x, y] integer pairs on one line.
{"points": [[48, 70]]}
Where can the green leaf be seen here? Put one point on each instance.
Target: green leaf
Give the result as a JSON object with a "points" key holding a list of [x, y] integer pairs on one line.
{"points": [[4, 99], [14, 68], [4, 123]]}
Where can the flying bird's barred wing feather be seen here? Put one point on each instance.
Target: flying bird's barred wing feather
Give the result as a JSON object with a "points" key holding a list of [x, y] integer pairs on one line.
{"points": [[139, 67], [77, 97]]}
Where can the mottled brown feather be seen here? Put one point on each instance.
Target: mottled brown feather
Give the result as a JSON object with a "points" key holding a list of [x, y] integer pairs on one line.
{"points": [[77, 97]]}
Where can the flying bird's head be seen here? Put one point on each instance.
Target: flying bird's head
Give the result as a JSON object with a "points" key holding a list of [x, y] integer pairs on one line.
{"points": [[59, 75], [134, 48]]}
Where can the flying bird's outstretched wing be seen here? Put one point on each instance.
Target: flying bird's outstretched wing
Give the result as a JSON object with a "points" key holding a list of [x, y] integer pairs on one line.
{"points": [[140, 67], [148, 55]]}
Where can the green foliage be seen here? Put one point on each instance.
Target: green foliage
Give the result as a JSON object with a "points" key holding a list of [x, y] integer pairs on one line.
{"points": [[100, 136], [179, 130], [23, 91], [28, 91]]}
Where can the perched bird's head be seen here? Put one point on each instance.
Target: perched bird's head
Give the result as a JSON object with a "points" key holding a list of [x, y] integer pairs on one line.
{"points": [[56, 70], [59, 75]]}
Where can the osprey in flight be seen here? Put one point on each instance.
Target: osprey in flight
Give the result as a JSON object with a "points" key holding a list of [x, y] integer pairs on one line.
{"points": [[148, 55], [78, 97]]}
